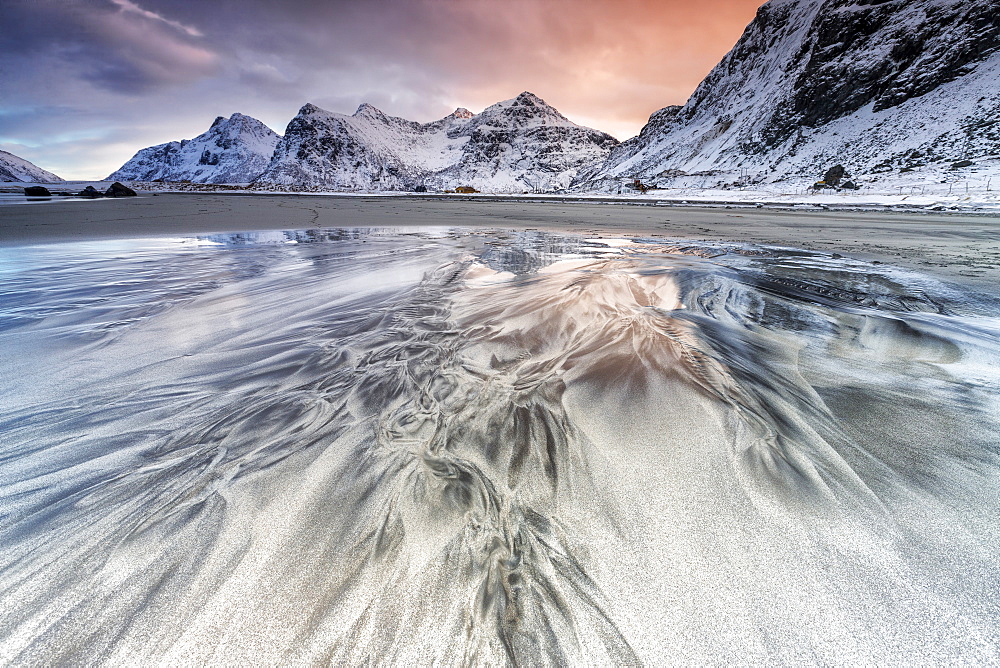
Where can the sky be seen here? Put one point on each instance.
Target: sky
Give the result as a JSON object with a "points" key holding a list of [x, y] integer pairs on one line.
{"points": [[84, 84]]}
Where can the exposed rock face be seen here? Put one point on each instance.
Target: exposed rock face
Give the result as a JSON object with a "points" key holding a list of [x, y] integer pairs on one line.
{"points": [[117, 189], [14, 168], [515, 145], [234, 150], [815, 82], [834, 175]]}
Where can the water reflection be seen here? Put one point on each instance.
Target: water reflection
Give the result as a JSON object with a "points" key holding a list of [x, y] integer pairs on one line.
{"points": [[511, 447]]}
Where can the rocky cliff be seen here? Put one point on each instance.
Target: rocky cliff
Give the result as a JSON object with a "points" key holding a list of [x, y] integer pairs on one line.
{"points": [[873, 84]]}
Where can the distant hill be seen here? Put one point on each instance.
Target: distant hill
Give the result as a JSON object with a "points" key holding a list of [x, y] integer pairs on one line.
{"points": [[14, 168]]}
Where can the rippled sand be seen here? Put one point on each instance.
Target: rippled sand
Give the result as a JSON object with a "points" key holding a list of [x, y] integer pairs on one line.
{"points": [[459, 446]]}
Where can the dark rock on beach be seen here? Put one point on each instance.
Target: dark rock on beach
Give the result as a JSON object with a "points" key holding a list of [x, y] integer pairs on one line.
{"points": [[37, 191], [117, 189]]}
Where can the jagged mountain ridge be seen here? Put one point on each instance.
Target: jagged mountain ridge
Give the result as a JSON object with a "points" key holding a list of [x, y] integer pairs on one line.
{"points": [[233, 150], [16, 168], [513, 145], [365, 150], [874, 84]]}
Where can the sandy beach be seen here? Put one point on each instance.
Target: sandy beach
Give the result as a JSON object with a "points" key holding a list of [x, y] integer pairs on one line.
{"points": [[405, 431], [960, 247]]}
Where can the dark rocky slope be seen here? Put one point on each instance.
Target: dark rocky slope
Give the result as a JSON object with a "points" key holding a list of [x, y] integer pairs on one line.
{"points": [[873, 84]]}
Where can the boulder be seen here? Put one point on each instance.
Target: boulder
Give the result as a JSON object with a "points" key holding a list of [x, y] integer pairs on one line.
{"points": [[90, 191], [117, 189], [961, 163], [834, 175], [37, 191]]}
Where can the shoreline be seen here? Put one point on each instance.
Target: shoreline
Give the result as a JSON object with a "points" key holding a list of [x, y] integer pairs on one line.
{"points": [[960, 247], [669, 198], [645, 200]]}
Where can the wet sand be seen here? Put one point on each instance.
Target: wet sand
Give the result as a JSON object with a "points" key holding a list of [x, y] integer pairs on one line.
{"points": [[964, 249], [469, 445]]}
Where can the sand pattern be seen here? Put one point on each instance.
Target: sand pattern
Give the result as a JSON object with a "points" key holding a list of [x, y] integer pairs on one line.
{"points": [[447, 445]]}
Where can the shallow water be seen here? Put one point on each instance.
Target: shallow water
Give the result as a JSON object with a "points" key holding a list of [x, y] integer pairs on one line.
{"points": [[19, 198], [455, 446]]}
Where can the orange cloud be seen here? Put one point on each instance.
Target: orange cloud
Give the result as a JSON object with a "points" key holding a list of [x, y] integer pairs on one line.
{"points": [[613, 63]]}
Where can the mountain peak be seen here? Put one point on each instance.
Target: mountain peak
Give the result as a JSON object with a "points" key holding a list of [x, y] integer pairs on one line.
{"points": [[236, 120], [366, 109], [526, 108], [529, 100], [233, 150], [461, 112]]}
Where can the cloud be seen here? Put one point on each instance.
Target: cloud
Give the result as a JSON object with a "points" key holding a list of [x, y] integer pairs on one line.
{"points": [[616, 60], [156, 70], [128, 6], [141, 55], [114, 45]]}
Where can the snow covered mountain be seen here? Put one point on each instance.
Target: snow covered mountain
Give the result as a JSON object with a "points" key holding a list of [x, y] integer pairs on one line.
{"points": [[515, 145], [875, 85], [13, 168], [234, 150]]}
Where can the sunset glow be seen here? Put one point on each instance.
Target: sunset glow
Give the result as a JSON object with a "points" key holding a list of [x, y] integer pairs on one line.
{"points": [[140, 73]]}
